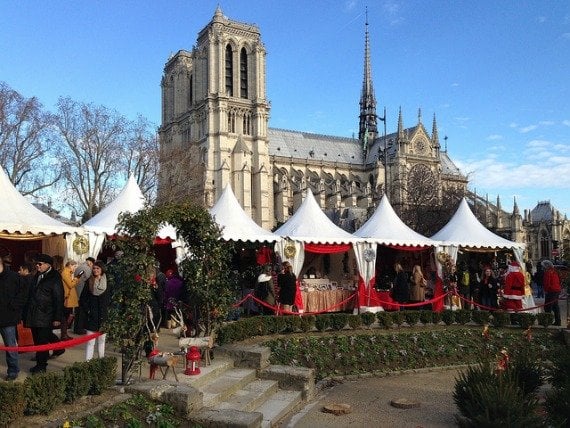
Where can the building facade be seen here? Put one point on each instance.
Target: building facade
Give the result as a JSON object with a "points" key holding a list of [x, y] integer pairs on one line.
{"points": [[215, 132]]}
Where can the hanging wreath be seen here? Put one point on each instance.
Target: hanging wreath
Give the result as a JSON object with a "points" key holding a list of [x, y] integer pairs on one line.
{"points": [[80, 245], [290, 251], [369, 255]]}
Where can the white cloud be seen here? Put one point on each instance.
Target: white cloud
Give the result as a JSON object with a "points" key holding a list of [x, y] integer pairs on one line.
{"points": [[455, 85], [566, 122], [528, 128], [566, 36], [541, 19], [546, 122], [494, 137]]}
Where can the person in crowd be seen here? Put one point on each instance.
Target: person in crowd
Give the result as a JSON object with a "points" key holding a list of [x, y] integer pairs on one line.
{"points": [[14, 293], [45, 309], [265, 291], [97, 298], [552, 289], [488, 289], [538, 279], [83, 273], [513, 290], [287, 282], [474, 291], [453, 302], [172, 292], [418, 285], [70, 297], [401, 287], [156, 302], [463, 284]]}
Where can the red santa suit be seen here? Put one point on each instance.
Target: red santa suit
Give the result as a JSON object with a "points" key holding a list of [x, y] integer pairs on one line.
{"points": [[513, 292]]}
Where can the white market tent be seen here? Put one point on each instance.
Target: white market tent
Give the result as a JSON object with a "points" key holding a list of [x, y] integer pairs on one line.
{"points": [[309, 225], [236, 224], [384, 227], [104, 223], [465, 231], [19, 219]]}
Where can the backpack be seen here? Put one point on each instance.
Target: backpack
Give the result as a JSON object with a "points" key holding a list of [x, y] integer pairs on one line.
{"points": [[262, 290]]}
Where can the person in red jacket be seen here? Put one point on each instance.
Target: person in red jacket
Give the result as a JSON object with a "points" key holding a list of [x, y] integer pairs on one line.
{"points": [[513, 291], [551, 284]]}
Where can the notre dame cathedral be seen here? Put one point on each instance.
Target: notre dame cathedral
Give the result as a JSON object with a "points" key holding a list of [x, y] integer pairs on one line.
{"points": [[215, 132]]}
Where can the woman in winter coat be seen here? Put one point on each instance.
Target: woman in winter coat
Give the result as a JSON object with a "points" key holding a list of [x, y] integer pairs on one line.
{"points": [[265, 290], [287, 282], [70, 298], [401, 288], [418, 286], [97, 296], [488, 288]]}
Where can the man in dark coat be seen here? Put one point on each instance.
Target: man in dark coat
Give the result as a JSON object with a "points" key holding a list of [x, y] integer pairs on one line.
{"points": [[45, 308], [13, 292]]}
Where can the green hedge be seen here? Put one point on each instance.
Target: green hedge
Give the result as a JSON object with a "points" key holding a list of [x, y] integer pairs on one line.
{"points": [[42, 393]]}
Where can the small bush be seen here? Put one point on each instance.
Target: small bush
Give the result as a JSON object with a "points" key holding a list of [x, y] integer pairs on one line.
{"points": [[523, 319], [500, 318], [426, 317], [292, 323], [412, 317], [448, 316], [368, 318], [463, 316], [307, 323], [103, 372], [322, 322], [77, 381], [12, 402], [338, 321], [481, 317], [398, 317], [545, 319], [385, 319], [354, 321], [44, 392], [437, 317]]}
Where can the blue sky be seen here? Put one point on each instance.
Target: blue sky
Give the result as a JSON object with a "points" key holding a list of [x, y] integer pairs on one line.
{"points": [[495, 73]]}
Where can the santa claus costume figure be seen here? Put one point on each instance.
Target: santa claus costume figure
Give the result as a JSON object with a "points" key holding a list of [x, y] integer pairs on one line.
{"points": [[513, 292]]}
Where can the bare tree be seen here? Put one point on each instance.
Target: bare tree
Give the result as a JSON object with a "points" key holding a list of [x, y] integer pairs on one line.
{"points": [[94, 140], [25, 141], [142, 156]]}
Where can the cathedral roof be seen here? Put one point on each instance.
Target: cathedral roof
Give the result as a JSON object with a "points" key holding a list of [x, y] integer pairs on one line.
{"points": [[542, 212], [304, 145], [447, 165]]}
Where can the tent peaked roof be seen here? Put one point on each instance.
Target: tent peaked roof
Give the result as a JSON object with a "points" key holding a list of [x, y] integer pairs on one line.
{"points": [[385, 227], [18, 215], [129, 200], [464, 230], [235, 223], [310, 224]]}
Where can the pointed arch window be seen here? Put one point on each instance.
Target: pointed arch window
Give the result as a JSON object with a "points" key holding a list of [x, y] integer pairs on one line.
{"points": [[191, 91], [544, 245], [229, 71], [243, 73]]}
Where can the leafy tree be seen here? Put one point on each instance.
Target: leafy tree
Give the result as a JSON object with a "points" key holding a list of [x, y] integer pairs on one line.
{"points": [[205, 271]]}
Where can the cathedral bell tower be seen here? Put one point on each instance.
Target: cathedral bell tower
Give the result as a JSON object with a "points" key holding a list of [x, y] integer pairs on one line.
{"points": [[214, 120]]}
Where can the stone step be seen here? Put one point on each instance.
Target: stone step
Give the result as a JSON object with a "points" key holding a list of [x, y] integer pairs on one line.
{"points": [[207, 373], [250, 396], [278, 406], [226, 384]]}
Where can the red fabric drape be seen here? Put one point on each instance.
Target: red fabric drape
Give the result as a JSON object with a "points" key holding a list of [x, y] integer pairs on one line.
{"points": [[406, 248], [438, 291], [162, 241], [327, 248], [377, 298], [299, 297]]}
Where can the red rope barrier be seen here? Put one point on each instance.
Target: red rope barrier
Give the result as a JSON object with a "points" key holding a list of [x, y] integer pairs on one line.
{"points": [[52, 346]]}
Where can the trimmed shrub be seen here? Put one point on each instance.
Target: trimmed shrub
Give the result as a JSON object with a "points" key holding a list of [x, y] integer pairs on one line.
{"points": [[448, 316], [338, 321], [463, 316], [545, 319], [77, 381], [354, 321], [307, 323], [426, 317], [523, 319], [322, 322], [368, 318], [44, 392], [412, 317], [385, 319], [481, 317], [398, 317], [12, 402], [437, 317], [103, 372], [500, 318]]}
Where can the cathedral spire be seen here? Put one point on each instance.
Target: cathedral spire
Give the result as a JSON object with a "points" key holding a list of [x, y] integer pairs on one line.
{"points": [[367, 130], [434, 133], [400, 125], [419, 116], [515, 206]]}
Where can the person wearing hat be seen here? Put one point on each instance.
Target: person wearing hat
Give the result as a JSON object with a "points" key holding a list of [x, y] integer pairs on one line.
{"points": [[552, 289], [45, 308], [14, 293], [513, 292]]}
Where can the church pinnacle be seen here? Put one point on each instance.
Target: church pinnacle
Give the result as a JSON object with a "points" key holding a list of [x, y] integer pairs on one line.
{"points": [[367, 130]]}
